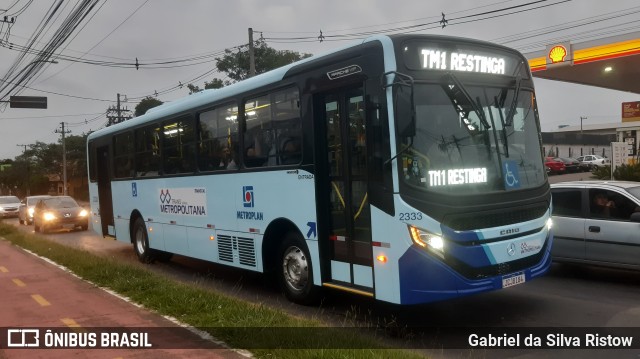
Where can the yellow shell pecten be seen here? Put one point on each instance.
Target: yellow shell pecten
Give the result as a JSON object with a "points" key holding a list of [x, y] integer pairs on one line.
{"points": [[557, 54]]}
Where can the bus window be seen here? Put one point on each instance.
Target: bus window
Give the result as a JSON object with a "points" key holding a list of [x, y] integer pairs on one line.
{"points": [[147, 151], [123, 155], [178, 146], [273, 135], [218, 134]]}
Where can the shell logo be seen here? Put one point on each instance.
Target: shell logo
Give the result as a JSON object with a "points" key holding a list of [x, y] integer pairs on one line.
{"points": [[557, 54]]}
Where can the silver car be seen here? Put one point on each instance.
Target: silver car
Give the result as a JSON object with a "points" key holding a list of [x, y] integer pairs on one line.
{"points": [[594, 161], [597, 222], [9, 206], [25, 212]]}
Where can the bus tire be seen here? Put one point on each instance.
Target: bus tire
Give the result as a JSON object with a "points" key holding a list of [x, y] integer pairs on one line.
{"points": [[141, 242], [295, 273]]}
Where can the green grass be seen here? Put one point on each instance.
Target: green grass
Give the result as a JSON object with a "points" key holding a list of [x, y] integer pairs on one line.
{"points": [[239, 323]]}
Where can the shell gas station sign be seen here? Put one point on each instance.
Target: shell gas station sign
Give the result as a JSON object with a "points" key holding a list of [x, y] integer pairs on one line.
{"points": [[559, 55], [631, 111]]}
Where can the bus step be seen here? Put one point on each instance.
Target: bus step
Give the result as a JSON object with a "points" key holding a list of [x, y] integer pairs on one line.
{"points": [[367, 292]]}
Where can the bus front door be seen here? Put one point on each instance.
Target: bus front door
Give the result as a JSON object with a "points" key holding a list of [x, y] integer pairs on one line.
{"points": [[347, 217]]}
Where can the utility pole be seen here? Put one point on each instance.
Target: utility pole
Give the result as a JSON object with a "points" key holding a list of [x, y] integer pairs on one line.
{"points": [[64, 159], [24, 154], [118, 114], [582, 118], [252, 57]]}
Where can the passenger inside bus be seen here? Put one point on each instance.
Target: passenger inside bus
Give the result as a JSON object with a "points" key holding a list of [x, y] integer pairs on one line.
{"points": [[290, 153]]}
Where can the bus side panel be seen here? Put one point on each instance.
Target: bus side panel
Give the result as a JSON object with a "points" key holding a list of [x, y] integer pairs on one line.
{"points": [[200, 216], [203, 243], [386, 229]]}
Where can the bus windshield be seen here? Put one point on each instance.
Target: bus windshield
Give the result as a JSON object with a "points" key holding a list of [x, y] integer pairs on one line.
{"points": [[473, 139]]}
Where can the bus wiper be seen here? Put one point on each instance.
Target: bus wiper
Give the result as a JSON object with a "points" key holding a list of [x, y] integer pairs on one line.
{"points": [[504, 128], [462, 91], [514, 102], [410, 145]]}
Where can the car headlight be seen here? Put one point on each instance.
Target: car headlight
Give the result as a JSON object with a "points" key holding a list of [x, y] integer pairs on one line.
{"points": [[30, 210], [427, 240], [48, 216], [83, 213]]}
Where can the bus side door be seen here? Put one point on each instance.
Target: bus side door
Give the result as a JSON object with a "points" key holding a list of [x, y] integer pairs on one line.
{"points": [[345, 211]]}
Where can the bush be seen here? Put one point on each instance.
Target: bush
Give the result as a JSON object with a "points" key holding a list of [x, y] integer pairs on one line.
{"points": [[625, 172], [602, 173], [628, 172]]}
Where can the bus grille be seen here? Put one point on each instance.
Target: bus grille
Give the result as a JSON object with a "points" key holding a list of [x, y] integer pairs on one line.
{"points": [[225, 248], [246, 251], [237, 247], [502, 217]]}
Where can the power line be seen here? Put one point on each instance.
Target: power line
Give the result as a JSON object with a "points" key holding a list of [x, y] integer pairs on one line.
{"points": [[418, 27]]}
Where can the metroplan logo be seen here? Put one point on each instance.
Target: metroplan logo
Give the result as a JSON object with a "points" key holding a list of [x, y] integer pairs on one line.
{"points": [[248, 199]]}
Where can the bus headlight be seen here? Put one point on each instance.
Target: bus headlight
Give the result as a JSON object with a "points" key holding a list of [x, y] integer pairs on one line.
{"points": [[427, 240], [48, 216], [549, 223]]}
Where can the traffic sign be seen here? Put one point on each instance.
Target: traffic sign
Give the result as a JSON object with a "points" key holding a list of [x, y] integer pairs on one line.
{"points": [[28, 102]]}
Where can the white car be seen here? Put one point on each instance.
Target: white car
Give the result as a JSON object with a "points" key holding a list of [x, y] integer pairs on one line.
{"points": [[25, 213], [9, 206], [594, 161], [597, 222]]}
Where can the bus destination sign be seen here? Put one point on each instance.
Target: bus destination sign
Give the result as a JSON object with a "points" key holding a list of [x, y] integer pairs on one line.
{"points": [[458, 58], [460, 61]]}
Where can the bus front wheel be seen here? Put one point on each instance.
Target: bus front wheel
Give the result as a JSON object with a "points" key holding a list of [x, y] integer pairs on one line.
{"points": [[141, 242], [295, 273]]}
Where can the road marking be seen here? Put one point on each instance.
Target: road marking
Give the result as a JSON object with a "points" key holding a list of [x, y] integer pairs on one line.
{"points": [[72, 324], [18, 282], [3, 269], [38, 298]]}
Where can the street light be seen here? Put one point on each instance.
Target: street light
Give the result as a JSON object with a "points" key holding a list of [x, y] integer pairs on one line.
{"points": [[582, 118]]}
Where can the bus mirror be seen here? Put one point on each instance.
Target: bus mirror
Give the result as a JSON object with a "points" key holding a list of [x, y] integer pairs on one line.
{"points": [[403, 102], [405, 112]]}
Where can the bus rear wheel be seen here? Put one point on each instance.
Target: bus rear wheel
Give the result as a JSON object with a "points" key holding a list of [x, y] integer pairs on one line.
{"points": [[141, 242], [295, 272]]}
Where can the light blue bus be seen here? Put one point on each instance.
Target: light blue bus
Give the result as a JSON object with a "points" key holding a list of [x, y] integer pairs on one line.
{"points": [[406, 168]]}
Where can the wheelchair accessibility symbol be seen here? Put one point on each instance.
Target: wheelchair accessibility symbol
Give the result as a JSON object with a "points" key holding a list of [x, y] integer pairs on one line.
{"points": [[511, 175]]}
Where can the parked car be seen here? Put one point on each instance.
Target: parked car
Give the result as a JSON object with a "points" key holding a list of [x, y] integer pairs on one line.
{"points": [[597, 222], [9, 206], [557, 167], [25, 212], [59, 212], [594, 161], [570, 164]]}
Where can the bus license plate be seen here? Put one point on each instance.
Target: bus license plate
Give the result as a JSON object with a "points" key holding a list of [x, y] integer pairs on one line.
{"points": [[513, 280]]}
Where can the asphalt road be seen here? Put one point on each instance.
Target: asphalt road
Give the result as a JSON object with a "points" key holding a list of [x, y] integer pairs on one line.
{"points": [[568, 296]]}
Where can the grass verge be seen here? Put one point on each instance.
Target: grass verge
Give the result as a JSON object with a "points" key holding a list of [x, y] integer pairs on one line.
{"points": [[238, 323]]}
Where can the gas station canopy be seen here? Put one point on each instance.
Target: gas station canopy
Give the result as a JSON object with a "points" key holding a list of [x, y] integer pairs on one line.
{"points": [[612, 62]]}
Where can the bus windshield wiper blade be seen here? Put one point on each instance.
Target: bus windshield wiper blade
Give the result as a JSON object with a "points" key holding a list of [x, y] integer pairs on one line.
{"points": [[514, 103], [461, 90]]}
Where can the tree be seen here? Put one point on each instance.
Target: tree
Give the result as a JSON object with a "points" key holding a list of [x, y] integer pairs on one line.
{"points": [[144, 105], [214, 84], [236, 63]]}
